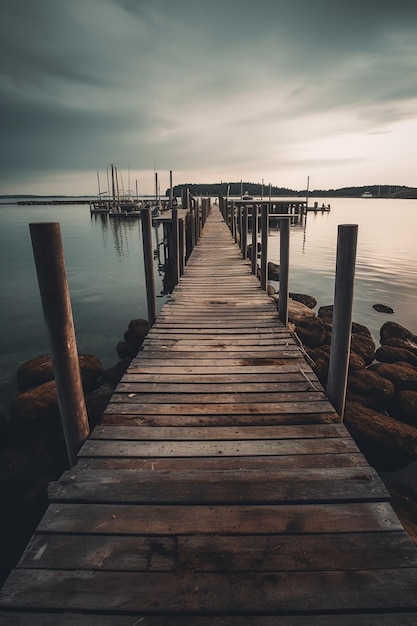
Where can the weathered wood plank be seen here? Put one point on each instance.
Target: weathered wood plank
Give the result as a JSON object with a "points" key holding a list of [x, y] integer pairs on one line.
{"points": [[185, 520], [258, 377], [271, 447], [218, 487], [184, 387], [172, 419], [280, 592], [242, 398], [17, 618], [201, 433], [305, 461]]}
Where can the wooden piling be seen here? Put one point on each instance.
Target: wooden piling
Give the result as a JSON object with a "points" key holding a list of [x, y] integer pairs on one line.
{"points": [[254, 257], [175, 248], [56, 304], [342, 316], [264, 246], [244, 236], [284, 262], [146, 221]]}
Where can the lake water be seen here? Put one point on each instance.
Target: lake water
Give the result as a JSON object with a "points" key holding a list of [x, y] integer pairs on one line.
{"points": [[105, 273]]}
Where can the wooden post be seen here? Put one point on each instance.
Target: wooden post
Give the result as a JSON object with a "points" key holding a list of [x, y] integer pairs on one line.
{"points": [[146, 221], [244, 237], [175, 248], [342, 316], [56, 304], [264, 246], [181, 244], [171, 190], [254, 259], [284, 264]]}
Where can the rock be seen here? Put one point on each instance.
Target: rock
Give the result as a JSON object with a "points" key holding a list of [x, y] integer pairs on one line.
{"points": [[270, 290], [321, 370], [304, 299], [371, 385], [387, 443], [404, 407], [296, 310], [389, 354], [407, 344], [96, 401], [382, 308], [356, 362], [136, 333], [273, 271], [359, 329], [125, 350], [249, 250], [364, 346], [39, 370], [311, 331], [37, 403], [113, 375], [396, 372], [325, 313], [392, 329]]}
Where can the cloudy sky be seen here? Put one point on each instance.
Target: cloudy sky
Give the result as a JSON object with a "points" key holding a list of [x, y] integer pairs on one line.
{"points": [[213, 89]]}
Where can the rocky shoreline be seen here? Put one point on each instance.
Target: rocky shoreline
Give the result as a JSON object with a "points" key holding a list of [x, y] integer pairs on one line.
{"points": [[381, 415]]}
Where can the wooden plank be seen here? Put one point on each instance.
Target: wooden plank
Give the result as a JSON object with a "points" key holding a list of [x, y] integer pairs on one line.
{"points": [[311, 407], [17, 618], [305, 461], [185, 519], [201, 433], [258, 377], [131, 397], [208, 553], [184, 387], [252, 447], [219, 487], [172, 419], [278, 592], [262, 369]]}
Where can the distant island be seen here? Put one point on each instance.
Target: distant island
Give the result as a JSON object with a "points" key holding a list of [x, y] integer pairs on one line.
{"points": [[257, 189]]}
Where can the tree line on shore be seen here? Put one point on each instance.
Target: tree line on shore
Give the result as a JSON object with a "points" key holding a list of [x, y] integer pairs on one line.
{"points": [[259, 190]]}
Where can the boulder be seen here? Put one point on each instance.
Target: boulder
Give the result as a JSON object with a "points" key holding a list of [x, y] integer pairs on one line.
{"points": [[311, 331], [359, 329], [383, 308], [392, 329], [389, 354], [270, 290], [39, 370], [296, 310], [304, 299], [96, 401], [34, 404], [404, 407], [398, 373], [113, 375], [136, 333], [370, 385], [125, 350], [356, 362], [364, 346], [273, 271], [387, 443], [325, 313], [407, 344]]}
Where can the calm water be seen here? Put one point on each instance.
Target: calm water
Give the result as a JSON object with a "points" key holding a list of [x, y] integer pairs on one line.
{"points": [[105, 273]]}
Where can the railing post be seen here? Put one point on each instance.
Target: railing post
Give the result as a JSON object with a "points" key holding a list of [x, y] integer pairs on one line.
{"points": [[284, 262], [50, 266], [342, 316], [181, 244], [264, 246], [254, 259], [175, 247], [146, 221], [244, 236]]}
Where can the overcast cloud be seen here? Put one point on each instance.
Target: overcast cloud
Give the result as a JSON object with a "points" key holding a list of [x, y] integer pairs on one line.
{"points": [[213, 89]]}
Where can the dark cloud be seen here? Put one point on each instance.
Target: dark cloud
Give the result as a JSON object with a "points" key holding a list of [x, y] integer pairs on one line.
{"points": [[88, 82]]}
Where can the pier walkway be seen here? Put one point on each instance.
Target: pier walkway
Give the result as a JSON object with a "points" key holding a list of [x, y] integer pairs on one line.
{"points": [[220, 488]]}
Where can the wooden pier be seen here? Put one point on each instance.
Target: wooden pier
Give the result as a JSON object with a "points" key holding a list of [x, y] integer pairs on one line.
{"points": [[220, 488]]}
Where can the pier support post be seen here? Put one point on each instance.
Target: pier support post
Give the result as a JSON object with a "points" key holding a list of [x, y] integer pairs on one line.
{"points": [[284, 264], [254, 257], [342, 316], [146, 222], [181, 244], [56, 304], [175, 248], [244, 236], [264, 246]]}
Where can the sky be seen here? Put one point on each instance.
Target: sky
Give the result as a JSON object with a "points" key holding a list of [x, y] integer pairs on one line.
{"points": [[214, 90]]}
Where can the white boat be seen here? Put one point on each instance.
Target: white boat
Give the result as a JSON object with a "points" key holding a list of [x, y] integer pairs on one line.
{"points": [[366, 194]]}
